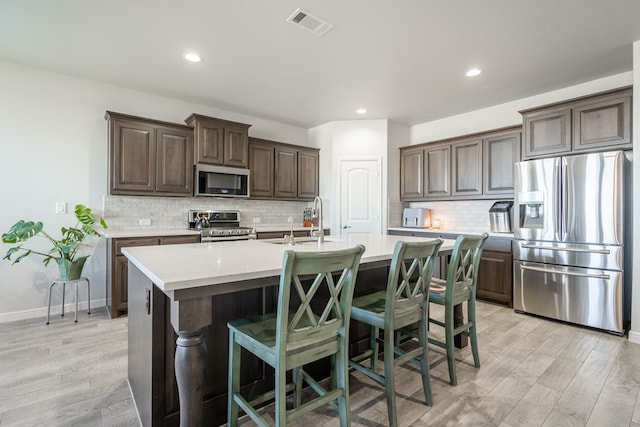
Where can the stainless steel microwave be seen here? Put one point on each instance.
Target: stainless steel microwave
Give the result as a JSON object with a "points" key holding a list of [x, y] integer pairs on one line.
{"points": [[220, 181]]}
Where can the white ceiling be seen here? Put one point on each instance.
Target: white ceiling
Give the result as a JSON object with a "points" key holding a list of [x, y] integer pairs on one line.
{"points": [[401, 60]]}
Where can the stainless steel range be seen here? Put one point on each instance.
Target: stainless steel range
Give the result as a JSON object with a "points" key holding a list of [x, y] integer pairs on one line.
{"points": [[215, 226]]}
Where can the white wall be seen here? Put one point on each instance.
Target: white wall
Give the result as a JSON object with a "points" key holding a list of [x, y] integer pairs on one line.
{"points": [[354, 139], [53, 148], [398, 137], [506, 114]]}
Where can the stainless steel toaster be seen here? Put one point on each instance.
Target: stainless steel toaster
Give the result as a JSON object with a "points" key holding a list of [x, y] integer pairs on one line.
{"points": [[416, 217]]}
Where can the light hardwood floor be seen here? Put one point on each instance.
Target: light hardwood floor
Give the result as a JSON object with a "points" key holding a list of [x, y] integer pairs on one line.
{"points": [[534, 372]]}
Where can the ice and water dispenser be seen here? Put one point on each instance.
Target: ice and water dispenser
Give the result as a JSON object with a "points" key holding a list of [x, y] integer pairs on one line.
{"points": [[531, 209]]}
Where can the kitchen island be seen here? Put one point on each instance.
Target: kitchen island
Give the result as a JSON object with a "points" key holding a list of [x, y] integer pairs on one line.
{"points": [[182, 296]]}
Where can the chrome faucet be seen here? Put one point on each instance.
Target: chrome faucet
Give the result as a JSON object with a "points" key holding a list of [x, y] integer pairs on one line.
{"points": [[317, 213]]}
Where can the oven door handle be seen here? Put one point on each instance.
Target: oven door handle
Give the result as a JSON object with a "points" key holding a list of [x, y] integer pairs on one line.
{"points": [[566, 273], [553, 248]]}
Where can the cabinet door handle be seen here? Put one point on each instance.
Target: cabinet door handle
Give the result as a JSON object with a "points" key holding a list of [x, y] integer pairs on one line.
{"points": [[344, 227]]}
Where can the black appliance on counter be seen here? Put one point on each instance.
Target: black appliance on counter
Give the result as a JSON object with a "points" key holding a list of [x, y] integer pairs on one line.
{"points": [[215, 226]]}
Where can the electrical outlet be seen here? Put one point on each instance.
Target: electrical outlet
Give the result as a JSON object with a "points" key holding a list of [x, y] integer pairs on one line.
{"points": [[290, 219], [61, 207], [145, 221], [256, 220]]}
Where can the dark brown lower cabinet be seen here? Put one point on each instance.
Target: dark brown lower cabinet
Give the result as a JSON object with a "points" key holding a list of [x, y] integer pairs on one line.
{"points": [[118, 264], [495, 277]]}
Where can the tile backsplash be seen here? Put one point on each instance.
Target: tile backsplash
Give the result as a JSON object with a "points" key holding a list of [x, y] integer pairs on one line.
{"points": [[467, 215], [165, 213]]}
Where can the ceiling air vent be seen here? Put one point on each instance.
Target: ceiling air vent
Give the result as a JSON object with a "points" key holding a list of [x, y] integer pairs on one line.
{"points": [[309, 22]]}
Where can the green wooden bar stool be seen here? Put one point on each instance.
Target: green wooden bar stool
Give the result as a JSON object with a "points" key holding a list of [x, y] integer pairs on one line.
{"points": [[460, 286], [403, 303], [300, 333]]}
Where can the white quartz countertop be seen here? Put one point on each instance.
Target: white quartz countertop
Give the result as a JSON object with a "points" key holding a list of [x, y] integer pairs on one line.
{"points": [[175, 267], [116, 233], [146, 232], [442, 231]]}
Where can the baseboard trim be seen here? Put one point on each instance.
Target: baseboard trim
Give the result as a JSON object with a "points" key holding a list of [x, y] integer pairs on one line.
{"points": [[34, 313], [634, 337]]}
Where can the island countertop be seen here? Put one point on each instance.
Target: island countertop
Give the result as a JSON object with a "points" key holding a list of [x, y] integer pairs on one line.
{"points": [[176, 267]]}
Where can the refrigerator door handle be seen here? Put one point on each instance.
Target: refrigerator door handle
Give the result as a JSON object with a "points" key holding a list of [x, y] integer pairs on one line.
{"points": [[557, 188], [553, 248], [563, 198], [566, 273]]}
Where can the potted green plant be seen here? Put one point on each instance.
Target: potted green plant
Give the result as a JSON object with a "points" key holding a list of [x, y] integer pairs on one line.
{"points": [[66, 251]]}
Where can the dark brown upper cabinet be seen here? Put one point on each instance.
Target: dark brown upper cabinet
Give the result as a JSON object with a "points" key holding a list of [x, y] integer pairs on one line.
{"points": [[261, 165], [286, 170], [477, 166], [500, 152], [283, 171], [308, 173], [466, 168], [437, 171], [547, 132], [412, 173], [602, 122], [149, 157], [588, 124], [220, 142]]}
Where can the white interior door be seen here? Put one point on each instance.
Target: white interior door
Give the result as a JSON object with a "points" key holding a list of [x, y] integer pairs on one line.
{"points": [[360, 196]]}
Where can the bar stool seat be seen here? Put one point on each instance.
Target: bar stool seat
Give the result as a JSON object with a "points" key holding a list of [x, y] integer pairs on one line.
{"points": [[64, 284]]}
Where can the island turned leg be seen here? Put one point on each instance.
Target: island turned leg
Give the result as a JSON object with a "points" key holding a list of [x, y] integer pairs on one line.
{"points": [[190, 366], [189, 318]]}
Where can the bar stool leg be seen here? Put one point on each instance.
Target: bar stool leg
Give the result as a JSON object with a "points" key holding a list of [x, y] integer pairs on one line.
{"points": [[49, 306], [88, 297]]}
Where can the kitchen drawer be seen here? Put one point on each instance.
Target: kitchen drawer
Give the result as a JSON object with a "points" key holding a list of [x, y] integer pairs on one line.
{"points": [[281, 234], [134, 241], [177, 240], [498, 244]]}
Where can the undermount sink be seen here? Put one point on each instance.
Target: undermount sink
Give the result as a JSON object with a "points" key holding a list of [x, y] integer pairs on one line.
{"points": [[298, 241]]}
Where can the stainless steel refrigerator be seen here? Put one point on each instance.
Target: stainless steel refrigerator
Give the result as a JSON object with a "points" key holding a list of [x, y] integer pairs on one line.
{"points": [[569, 238]]}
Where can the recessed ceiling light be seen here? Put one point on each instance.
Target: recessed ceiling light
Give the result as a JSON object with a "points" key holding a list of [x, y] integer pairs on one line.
{"points": [[361, 111], [192, 57], [474, 72]]}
